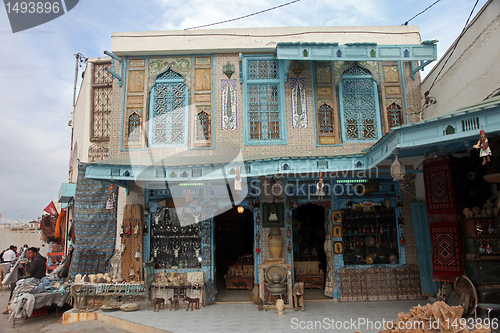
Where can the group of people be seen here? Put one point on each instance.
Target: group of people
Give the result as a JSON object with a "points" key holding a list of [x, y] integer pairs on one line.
{"points": [[36, 264]]}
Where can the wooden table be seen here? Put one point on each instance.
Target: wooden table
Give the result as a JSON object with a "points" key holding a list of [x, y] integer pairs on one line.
{"points": [[239, 282]]}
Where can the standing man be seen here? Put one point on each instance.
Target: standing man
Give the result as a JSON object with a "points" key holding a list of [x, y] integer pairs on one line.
{"points": [[10, 255], [37, 265]]}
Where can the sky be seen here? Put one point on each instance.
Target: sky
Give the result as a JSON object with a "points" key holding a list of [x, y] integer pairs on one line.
{"points": [[37, 68]]}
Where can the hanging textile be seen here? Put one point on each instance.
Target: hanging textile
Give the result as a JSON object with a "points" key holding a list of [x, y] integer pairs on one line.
{"points": [[95, 226], [439, 192], [60, 220], [447, 253]]}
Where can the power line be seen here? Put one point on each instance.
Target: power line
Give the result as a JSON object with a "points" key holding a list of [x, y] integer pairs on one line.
{"points": [[406, 23], [242, 17], [454, 47]]}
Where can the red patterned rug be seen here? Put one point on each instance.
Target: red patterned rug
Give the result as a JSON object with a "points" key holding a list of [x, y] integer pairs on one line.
{"points": [[439, 193], [447, 254]]}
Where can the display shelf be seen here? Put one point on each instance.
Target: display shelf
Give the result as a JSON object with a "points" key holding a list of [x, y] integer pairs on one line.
{"points": [[482, 268]]}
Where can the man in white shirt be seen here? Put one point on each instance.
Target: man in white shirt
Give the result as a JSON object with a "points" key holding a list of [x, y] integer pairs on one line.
{"points": [[10, 255]]}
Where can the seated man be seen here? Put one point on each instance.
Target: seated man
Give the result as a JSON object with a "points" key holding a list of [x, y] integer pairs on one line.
{"points": [[37, 265], [10, 255]]}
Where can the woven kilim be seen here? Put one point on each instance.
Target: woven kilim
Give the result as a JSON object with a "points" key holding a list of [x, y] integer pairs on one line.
{"points": [[439, 192], [95, 226], [447, 254]]}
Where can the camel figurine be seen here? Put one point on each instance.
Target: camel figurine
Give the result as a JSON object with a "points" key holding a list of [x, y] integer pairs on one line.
{"points": [[158, 303], [174, 303], [298, 290], [193, 302]]}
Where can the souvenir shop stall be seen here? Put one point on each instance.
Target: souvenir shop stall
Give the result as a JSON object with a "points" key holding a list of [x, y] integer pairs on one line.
{"points": [[105, 275], [463, 207], [31, 296]]}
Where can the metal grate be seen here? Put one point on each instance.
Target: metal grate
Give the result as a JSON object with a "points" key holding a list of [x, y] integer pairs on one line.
{"points": [[203, 126], [325, 117], [134, 127], [360, 117], [169, 110], [264, 112], [470, 124], [262, 69]]}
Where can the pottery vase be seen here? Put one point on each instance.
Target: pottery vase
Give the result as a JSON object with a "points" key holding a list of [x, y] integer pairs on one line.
{"points": [[275, 242], [255, 294]]}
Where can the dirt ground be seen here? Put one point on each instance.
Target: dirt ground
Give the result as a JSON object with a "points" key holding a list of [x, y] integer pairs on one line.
{"points": [[48, 323]]}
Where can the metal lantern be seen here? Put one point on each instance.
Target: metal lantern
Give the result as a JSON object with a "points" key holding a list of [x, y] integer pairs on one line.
{"points": [[228, 69], [397, 169]]}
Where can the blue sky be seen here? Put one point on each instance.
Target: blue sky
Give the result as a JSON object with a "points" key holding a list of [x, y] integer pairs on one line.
{"points": [[37, 68]]}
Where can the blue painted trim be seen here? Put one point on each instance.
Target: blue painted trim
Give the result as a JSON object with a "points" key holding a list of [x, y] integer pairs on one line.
{"points": [[240, 56], [119, 76], [315, 112], [124, 93], [356, 51], [402, 74], [214, 107], [282, 109], [414, 69]]}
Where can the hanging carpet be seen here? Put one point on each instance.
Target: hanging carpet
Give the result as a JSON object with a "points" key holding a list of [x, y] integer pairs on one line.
{"points": [[94, 225], [447, 253], [439, 192]]}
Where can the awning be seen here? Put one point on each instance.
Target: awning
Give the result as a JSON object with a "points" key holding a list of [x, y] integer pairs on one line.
{"points": [[427, 51], [450, 133]]}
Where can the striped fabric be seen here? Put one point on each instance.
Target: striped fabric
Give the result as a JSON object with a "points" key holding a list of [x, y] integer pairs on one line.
{"points": [[95, 226]]}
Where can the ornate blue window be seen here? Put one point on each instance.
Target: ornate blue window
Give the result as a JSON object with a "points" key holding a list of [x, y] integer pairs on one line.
{"points": [[359, 105], [168, 110], [264, 115]]}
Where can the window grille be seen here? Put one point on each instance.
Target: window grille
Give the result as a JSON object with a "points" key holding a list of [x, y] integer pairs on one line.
{"points": [[169, 100], [325, 119], [101, 112], [359, 105], [264, 119], [264, 112], [393, 115], [134, 127], [203, 126]]}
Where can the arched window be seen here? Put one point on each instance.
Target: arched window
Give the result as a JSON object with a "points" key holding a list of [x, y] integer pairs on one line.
{"points": [[134, 127], [393, 115], [359, 105], [168, 117], [325, 119], [203, 126]]}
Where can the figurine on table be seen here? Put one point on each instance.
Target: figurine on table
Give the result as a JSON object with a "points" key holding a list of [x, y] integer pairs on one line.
{"points": [[485, 147]]}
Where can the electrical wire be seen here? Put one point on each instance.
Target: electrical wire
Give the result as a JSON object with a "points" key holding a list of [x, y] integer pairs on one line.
{"points": [[406, 23], [271, 35], [454, 47], [242, 17]]}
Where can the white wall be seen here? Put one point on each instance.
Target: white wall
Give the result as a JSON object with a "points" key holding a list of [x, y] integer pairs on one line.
{"points": [[472, 72], [30, 237]]}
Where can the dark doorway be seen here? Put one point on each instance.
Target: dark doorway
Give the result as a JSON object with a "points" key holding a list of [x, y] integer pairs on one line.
{"points": [[234, 249], [309, 249]]}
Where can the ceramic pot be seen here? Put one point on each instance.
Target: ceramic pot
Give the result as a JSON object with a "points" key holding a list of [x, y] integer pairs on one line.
{"points": [[275, 242], [255, 294]]}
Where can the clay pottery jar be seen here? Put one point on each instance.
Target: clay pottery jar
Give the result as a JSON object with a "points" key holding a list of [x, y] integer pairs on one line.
{"points": [[275, 242], [255, 294]]}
